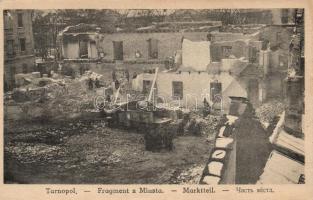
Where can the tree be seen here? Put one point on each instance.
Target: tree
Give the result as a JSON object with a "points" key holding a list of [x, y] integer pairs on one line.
{"points": [[46, 27]]}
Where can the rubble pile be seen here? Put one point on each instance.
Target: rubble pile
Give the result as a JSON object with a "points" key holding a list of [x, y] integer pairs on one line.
{"points": [[115, 157], [74, 99], [48, 145], [93, 157], [51, 98], [202, 126], [39, 153], [268, 111], [190, 176], [51, 137], [208, 125], [89, 74]]}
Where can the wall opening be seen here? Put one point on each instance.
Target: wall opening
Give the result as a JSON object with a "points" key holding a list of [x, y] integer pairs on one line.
{"points": [[253, 55], [177, 89], [226, 51], [93, 50], [215, 91], [153, 51], [83, 49], [146, 85], [20, 20], [284, 16], [8, 23], [23, 44], [118, 50], [10, 48]]}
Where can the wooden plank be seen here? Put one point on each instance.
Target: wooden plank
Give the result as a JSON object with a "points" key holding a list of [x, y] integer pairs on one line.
{"points": [[117, 94], [281, 169], [290, 142], [153, 83]]}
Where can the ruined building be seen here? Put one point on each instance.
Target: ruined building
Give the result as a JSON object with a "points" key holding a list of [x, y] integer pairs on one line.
{"points": [[153, 43], [227, 63], [286, 162], [209, 60], [18, 45], [295, 79]]}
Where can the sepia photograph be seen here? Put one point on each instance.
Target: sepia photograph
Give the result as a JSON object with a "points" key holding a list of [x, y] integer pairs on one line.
{"points": [[154, 96]]}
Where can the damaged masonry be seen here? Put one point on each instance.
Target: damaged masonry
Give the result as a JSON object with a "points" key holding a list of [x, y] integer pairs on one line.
{"points": [[173, 97]]}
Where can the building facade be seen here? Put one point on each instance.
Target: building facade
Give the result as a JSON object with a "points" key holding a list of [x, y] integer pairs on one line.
{"points": [[18, 45]]}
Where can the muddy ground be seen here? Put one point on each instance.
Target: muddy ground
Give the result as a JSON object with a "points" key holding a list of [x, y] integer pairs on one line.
{"points": [[89, 152]]}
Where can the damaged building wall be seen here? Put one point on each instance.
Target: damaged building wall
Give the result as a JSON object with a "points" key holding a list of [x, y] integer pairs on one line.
{"points": [[106, 68], [276, 57], [251, 78], [196, 54], [167, 44], [283, 16], [230, 36], [195, 87], [225, 49], [79, 45], [233, 65], [279, 60], [225, 44], [71, 50], [277, 36], [92, 49]]}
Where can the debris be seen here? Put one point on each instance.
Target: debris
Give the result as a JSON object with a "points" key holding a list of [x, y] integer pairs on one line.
{"points": [[269, 110], [39, 153], [191, 175]]}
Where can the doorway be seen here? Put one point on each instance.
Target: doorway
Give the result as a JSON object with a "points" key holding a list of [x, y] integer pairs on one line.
{"points": [[83, 49], [118, 50], [153, 49]]}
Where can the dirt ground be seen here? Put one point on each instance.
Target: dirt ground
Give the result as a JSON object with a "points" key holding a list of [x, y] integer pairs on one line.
{"points": [[90, 152]]}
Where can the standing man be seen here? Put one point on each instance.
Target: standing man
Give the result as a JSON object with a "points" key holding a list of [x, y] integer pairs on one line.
{"points": [[97, 83], [117, 84], [90, 84]]}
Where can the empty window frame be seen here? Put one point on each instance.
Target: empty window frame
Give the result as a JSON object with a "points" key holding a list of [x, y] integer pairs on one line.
{"points": [[177, 89], [253, 55], [146, 86], [8, 23], [10, 48], [22, 44], [215, 91], [83, 49], [226, 51], [118, 50], [284, 16], [153, 51], [20, 20]]}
